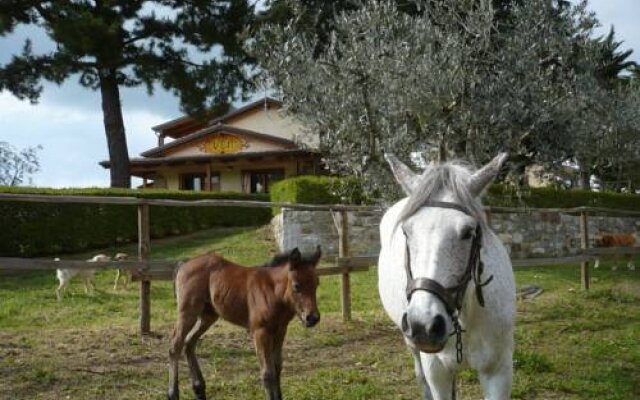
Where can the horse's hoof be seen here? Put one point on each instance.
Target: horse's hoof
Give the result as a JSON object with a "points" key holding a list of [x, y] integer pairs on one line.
{"points": [[200, 391], [173, 395]]}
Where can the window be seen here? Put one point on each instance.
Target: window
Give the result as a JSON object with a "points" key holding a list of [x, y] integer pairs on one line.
{"points": [[260, 181], [197, 182], [193, 182], [215, 181]]}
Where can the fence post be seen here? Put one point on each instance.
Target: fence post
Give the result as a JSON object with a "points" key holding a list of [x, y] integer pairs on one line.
{"points": [[343, 251], [487, 217], [584, 245], [144, 248]]}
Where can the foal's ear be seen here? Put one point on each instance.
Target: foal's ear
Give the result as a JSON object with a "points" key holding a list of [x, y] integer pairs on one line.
{"points": [[403, 174], [294, 258], [485, 175]]}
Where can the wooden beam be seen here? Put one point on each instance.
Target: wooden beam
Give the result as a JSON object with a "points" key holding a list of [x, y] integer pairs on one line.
{"points": [[144, 248], [38, 198], [207, 182], [541, 262], [342, 222], [603, 251], [39, 264], [584, 245]]}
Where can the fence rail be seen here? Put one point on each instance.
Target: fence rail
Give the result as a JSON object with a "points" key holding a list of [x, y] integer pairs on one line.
{"points": [[145, 270]]}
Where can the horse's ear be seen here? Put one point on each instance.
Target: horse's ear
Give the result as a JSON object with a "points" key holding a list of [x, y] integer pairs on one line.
{"points": [[317, 255], [485, 175], [403, 174], [294, 258]]}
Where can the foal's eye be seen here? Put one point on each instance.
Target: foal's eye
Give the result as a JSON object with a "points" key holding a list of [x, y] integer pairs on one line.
{"points": [[297, 287]]}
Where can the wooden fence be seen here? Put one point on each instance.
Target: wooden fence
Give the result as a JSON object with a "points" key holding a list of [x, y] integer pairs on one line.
{"points": [[145, 270]]}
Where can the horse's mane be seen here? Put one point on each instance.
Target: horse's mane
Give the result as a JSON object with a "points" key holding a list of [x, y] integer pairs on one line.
{"points": [[282, 258], [451, 177]]}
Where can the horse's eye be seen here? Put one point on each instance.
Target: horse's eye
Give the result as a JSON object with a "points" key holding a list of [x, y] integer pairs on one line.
{"points": [[467, 234], [297, 287]]}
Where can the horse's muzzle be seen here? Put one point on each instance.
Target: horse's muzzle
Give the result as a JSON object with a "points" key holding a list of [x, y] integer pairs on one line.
{"points": [[428, 338]]}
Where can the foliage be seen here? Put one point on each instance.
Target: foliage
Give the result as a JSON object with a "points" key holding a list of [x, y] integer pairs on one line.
{"points": [[37, 229], [188, 47], [460, 79], [317, 190], [507, 196], [16, 166], [325, 190]]}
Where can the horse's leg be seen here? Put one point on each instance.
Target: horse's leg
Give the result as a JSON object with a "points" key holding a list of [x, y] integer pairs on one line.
{"points": [[422, 382], [264, 342], [496, 384], [440, 380], [207, 318], [184, 324], [630, 264]]}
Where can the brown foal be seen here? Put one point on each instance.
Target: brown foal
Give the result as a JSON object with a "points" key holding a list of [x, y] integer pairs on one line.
{"points": [[264, 300]]}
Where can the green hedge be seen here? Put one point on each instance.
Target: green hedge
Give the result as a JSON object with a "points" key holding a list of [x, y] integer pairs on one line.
{"points": [[38, 229], [507, 196], [317, 190], [325, 190]]}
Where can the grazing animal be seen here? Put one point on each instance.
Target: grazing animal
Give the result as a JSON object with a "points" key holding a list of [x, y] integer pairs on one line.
{"points": [[263, 300], [66, 274], [615, 240], [446, 280], [125, 274]]}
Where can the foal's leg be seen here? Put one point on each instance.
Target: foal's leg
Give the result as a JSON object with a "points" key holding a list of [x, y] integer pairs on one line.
{"points": [[277, 354], [264, 342], [207, 318], [184, 324], [422, 381]]}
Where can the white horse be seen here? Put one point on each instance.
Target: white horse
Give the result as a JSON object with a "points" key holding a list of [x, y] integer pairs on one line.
{"points": [[446, 280]]}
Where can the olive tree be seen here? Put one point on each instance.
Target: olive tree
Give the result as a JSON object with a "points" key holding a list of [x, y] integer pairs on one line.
{"points": [[454, 80], [17, 165]]}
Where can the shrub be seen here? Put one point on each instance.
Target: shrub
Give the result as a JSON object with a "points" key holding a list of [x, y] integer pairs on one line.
{"points": [[328, 190], [507, 196], [37, 229], [318, 190]]}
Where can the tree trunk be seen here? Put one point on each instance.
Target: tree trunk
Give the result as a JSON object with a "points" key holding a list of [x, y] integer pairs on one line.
{"points": [[114, 129], [585, 180]]}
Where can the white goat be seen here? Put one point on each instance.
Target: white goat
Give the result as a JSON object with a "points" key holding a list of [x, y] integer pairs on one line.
{"points": [[66, 274], [125, 274]]}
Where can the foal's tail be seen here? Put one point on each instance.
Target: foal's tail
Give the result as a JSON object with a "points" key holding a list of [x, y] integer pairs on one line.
{"points": [[175, 273]]}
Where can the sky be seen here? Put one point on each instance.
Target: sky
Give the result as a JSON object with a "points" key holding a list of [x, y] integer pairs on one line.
{"points": [[67, 121]]}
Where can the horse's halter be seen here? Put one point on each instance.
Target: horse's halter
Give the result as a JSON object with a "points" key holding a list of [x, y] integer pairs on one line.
{"points": [[452, 297]]}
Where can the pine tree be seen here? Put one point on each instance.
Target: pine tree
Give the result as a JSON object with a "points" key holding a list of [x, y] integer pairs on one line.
{"points": [[191, 48]]}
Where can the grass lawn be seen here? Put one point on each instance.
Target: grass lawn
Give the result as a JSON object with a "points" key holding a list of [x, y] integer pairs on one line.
{"points": [[569, 344]]}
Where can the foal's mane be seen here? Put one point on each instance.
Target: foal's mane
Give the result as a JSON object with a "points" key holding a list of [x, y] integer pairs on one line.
{"points": [[282, 258], [451, 177]]}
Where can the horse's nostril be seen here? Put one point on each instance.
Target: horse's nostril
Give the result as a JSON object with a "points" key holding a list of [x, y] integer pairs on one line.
{"points": [[438, 327], [405, 324]]}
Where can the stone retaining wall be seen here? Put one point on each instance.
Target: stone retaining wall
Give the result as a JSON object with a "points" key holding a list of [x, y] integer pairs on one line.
{"points": [[535, 234]]}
